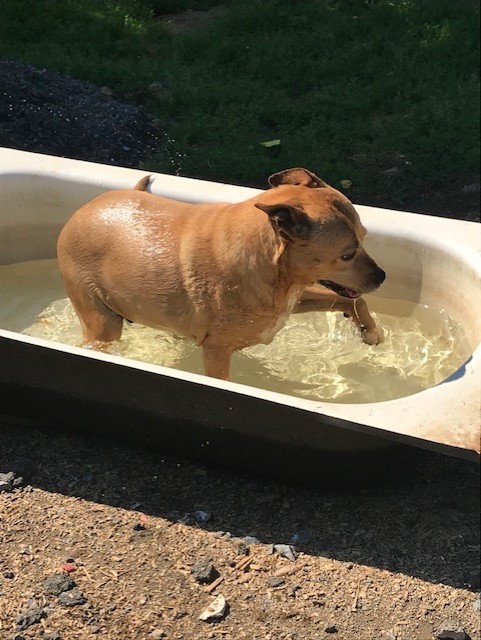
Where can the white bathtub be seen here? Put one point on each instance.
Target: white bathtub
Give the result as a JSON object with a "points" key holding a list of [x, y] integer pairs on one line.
{"points": [[429, 260]]}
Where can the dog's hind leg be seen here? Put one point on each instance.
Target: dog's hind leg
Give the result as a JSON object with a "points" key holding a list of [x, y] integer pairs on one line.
{"points": [[100, 325]]}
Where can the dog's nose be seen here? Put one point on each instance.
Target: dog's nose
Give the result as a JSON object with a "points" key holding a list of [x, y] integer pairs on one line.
{"points": [[380, 276]]}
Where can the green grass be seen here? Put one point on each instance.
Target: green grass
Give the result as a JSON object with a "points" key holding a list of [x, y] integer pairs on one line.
{"points": [[384, 94]]}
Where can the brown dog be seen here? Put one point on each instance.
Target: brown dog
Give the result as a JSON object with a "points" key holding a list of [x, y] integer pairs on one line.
{"points": [[225, 275]]}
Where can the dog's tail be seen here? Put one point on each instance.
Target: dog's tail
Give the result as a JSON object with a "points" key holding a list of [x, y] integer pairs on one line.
{"points": [[143, 183]]}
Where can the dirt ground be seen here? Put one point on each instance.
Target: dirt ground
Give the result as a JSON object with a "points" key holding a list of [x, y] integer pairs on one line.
{"points": [[149, 540], [135, 530]]}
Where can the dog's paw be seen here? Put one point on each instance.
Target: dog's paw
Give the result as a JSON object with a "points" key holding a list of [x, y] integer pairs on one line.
{"points": [[373, 336], [98, 345]]}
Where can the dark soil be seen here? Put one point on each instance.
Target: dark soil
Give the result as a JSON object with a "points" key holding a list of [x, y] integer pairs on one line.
{"points": [[46, 112]]}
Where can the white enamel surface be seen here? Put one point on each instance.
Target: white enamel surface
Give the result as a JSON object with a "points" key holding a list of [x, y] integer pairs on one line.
{"points": [[430, 260]]}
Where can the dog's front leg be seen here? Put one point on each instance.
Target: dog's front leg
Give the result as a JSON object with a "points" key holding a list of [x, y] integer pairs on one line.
{"points": [[216, 359], [314, 300]]}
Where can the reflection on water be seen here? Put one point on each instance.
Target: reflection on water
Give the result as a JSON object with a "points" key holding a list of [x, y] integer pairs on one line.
{"points": [[317, 355]]}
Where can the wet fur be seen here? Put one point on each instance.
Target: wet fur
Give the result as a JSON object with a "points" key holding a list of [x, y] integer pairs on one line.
{"points": [[225, 275]]}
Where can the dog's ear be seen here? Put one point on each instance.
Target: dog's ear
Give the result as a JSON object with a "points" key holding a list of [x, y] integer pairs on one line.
{"points": [[290, 220], [298, 176]]}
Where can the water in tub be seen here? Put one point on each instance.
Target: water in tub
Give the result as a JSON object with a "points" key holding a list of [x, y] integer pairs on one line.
{"points": [[317, 355]]}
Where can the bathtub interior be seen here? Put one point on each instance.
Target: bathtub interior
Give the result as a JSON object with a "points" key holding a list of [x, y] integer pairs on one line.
{"points": [[420, 269]]}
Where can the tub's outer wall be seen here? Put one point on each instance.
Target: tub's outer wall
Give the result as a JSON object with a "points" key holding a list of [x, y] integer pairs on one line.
{"points": [[59, 380], [61, 388]]}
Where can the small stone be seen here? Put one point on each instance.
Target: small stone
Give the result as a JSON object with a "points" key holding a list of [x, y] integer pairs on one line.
{"points": [[477, 603], [69, 567], [274, 581], [107, 91], [216, 610], [450, 630], [178, 615], [204, 572], [251, 540], [331, 629], [58, 583], [202, 516], [17, 482], [5, 487], [53, 635], [388, 635], [32, 614], [72, 598], [138, 527], [9, 575], [286, 551]]}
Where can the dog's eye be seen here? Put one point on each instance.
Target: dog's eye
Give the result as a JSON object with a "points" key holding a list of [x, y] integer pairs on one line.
{"points": [[348, 256]]}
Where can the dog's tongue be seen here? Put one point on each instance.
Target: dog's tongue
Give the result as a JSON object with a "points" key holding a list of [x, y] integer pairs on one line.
{"points": [[352, 293]]}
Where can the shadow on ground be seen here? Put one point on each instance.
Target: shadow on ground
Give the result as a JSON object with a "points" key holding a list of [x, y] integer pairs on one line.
{"points": [[422, 521]]}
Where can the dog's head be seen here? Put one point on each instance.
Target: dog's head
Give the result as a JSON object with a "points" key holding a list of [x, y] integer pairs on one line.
{"points": [[322, 233]]}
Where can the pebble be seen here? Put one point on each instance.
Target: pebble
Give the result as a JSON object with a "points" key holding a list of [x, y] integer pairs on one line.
{"points": [[58, 583], [286, 551], [9, 575], [251, 540], [72, 598], [5, 486], [450, 630], [274, 581], [202, 516], [204, 572], [331, 629], [477, 603], [10, 481], [32, 614], [216, 610], [53, 635]]}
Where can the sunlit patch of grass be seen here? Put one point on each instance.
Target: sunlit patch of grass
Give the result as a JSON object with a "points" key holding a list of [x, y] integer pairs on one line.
{"points": [[394, 82]]}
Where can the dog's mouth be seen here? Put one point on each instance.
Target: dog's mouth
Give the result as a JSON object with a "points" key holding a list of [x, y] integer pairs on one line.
{"points": [[340, 290]]}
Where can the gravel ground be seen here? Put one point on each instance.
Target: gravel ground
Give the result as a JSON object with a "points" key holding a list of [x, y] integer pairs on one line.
{"points": [[103, 540], [46, 112], [150, 541]]}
